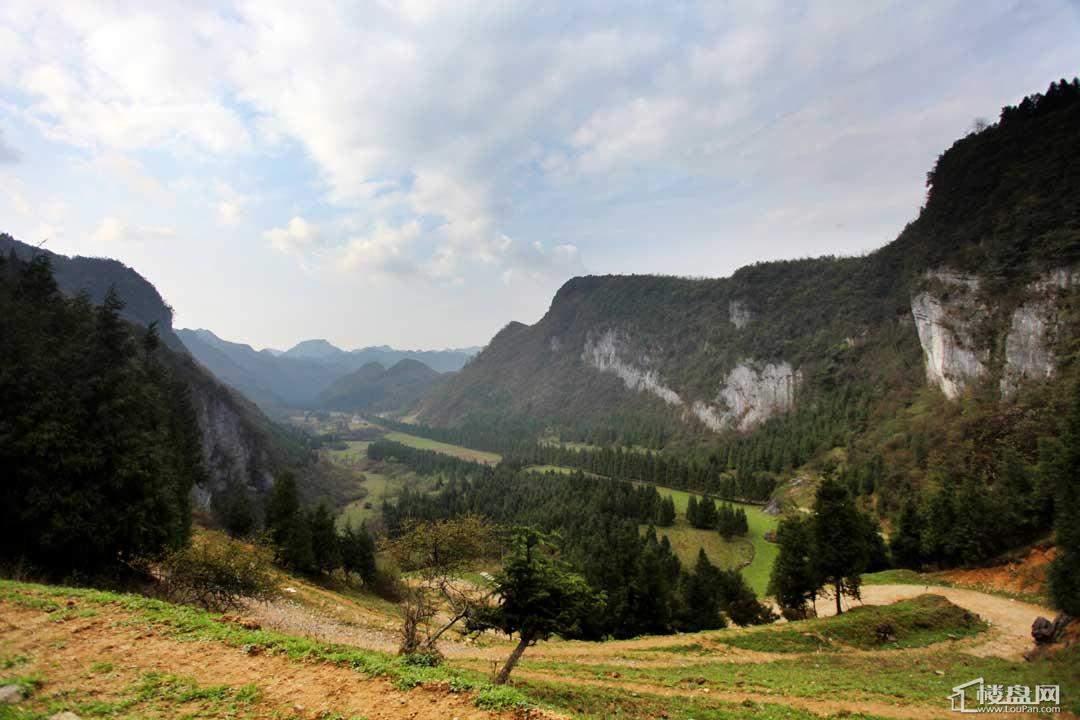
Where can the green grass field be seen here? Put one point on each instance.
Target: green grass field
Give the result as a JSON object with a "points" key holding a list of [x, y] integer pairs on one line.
{"points": [[382, 480], [379, 488], [686, 541], [764, 552], [457, 451], [355, 452]]}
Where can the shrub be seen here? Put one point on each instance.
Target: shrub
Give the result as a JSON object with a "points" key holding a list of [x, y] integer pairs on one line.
{"points": [[218, 574]]}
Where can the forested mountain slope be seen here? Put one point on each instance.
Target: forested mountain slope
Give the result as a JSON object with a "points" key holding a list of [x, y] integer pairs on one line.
{"points": [[972, 305], [372, 388], [240, 446]]}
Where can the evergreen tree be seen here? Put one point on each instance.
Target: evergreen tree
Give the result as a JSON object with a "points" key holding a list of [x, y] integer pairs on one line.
{"points": [[1063, 575], [839, 533], [326, 553], [692, 511], [700, 597], [538, 597], [739, 602], [706, 514], [906, 541], [666, 514], [96, 454], [358, 552], [290, 529], [794, 582], [233, 511], [877, 552]]}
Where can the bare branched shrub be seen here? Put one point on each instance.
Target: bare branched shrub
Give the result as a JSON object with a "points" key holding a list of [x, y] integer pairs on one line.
{"points": [[218, 574], [437, 553]]}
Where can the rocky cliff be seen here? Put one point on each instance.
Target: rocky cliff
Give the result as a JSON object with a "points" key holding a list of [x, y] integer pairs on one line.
{"points": [[959, 330]]}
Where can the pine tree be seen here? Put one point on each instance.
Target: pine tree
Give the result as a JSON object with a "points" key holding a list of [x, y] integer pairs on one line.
{"points": [[706, 514], [692, 510], [1063, 575], [700, 596], [290, 529], [840, 551], [538, 597], [794, 582], [233, 510], [324, 540], [666, 514], [358, 553], [907, 540]]}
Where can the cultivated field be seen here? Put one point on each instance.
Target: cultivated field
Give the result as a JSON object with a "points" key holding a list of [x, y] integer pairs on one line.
{"points": [[457, 451]]}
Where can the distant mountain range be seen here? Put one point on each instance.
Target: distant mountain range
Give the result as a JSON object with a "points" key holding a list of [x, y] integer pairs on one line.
{"points": [[377, 389], [312, 372]]}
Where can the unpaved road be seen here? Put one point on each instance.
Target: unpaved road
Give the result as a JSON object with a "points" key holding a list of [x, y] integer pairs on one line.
{"points": [[1009, 636], [1010, 620]]}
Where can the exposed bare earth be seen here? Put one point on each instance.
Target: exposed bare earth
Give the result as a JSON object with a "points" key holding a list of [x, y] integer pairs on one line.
{"points": [[1026, 575], [65, 653]]}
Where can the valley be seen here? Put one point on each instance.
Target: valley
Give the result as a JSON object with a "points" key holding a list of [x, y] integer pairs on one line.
{"points": [[842, 485]]}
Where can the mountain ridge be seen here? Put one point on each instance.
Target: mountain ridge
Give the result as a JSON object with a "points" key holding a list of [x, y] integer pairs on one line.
{"points": [[661, 360], [295, 378]]}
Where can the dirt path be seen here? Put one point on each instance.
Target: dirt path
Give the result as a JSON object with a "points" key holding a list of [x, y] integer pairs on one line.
{"points": [[1009, 636], [66, 654], [820, 707], [1010, 620]]}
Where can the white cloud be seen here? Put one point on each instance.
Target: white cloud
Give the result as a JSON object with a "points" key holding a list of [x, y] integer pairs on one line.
{"points": [[131, 173], [385, 250], [230, 204], [436, 140], [296, 237], [115, 78], [113, 231], [8, 154], [539, 264]]}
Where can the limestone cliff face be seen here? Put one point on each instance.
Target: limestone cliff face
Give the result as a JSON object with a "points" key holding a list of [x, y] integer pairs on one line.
{"points": [[945, 316], [749, 395], [948, 314], [608, 351], [739, 313], [752, 395], [229, 450], [1029, 345]]}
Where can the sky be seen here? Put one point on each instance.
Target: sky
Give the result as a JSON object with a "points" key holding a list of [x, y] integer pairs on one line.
{"points": [[420, 173]]}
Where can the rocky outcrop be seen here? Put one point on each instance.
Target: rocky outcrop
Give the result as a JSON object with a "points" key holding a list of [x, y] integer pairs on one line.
{"points": [[945, 315], [750, 394], [606, 351], [1029, 346], [231, 451], [739, 313]]}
